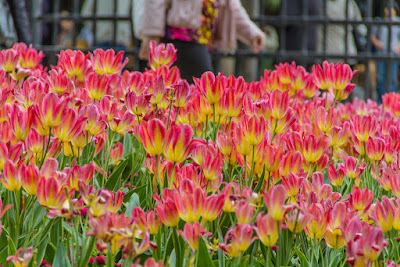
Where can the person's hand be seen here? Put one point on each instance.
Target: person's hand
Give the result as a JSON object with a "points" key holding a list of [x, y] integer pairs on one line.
{"points": [[258, 43], [145, 47]]}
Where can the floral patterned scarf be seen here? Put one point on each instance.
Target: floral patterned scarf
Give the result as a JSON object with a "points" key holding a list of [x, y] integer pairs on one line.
{"points": [[203, 35]]}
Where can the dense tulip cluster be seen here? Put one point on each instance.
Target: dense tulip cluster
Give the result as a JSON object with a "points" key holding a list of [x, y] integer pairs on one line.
{"points": [[100, 165]]}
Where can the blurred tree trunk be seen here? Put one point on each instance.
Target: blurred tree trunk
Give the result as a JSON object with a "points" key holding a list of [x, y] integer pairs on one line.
{"points": [[21, 20]]}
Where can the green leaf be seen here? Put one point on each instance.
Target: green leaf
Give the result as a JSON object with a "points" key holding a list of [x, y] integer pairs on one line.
{"points": [[113, 181], [260, 182], [172, 258], [203, 257], [302, 257], [335, 261], [127, 143], [60, 259], [133, 202], [87, 252], [41, 251]]}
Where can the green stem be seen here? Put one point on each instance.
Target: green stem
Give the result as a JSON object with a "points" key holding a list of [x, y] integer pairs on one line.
{"points": [[245, 173], [274, 132], [213, 105], [177, 247], [57, 150], [177, 113], [169, 112], [158, 174], [45, 152], [326, 99], [252, 168], [334, 100], [172, 175], [110, 257], [205, 128], [268, 180], [229, 125]]}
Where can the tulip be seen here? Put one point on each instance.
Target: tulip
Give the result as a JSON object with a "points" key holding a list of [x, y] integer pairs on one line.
{"points": [[339, 135], [244, 212], [210, 87], [316, 226], [375, 148], [326, 120], [190, 204], [267, 229], [314, 147], [282, 125], [278, 104], [275, 201], [360, 199], [161, 55], [9, 59], [75, 63], [373, 244], [363, 127], [253, 129], [179, 143], [351, 169], [341, 76], [284, 71], [183, 94], [333, 240], [78, 174], [97, 86], [30, 179], [290, 163], [158, 91], [212, 207], [153, 136], [52, 110], [191, 233], [12, 175], [242, 145], [310, 89], [50, 193], [71, 127], [322, 75], [384, 214], [31, 58], [241, 239], [225, 143], [336, 176], [58, 81], [19, 261], [122, 124], [95, 125], [20, 121], [106, 62], [168, 213], [212, 166], [292, 184], [297, 221], [231, 102], [171, 76], [273, 157]]}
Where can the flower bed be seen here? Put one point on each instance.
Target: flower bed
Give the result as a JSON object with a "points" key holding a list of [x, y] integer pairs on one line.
{"points": [[105, 166]]}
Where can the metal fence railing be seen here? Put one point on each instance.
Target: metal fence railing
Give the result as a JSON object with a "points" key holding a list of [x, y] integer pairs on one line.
{"points": [[47, 22]]}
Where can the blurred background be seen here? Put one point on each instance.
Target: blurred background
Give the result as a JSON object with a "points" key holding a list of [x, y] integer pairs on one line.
{"points": [[304, 31]]}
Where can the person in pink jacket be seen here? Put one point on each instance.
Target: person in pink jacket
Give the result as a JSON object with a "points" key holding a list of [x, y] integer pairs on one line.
{"points": [[195, 27]]}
